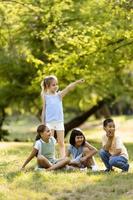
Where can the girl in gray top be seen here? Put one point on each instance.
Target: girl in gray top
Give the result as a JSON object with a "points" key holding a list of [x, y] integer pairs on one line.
{"points": [[44, 151], [81, 151]]}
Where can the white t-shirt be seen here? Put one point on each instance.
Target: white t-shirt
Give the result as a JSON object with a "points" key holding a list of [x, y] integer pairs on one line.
{"points": [[38, 144], [116, 144]]}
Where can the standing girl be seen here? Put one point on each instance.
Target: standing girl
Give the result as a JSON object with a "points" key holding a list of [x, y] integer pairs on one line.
{"points": [[52, 112], [81, 151]]}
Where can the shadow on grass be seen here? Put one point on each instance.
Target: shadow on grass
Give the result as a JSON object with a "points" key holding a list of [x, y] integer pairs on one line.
{"points": [[105, 186]]}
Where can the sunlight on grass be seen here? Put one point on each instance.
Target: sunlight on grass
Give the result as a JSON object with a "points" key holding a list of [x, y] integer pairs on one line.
{"points": [[96, 177], [63, 185]]}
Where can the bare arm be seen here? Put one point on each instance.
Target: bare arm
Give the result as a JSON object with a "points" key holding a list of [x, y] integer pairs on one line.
{"points": [[70, 87], [117, 152], [43, 110], [67, 153], [30, 157], [92, 151], [108, 144], [118, 148]]}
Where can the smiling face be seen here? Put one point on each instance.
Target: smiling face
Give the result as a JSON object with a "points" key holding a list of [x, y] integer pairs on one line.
{"points": [[79, 139], [53, 86], [45, 135], [110, 129]]}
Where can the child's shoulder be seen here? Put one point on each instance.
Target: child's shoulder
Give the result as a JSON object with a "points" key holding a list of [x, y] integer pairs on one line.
{"points": [[117, 137], [48, 95], [53, 139], [37, 144], [70, 146], [38, 141]]}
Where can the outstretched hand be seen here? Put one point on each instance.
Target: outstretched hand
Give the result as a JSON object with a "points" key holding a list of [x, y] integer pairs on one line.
{"points": [[81, 81]]}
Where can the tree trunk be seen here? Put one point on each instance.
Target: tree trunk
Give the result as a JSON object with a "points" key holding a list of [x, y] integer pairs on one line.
{"points": [[3, 133], [104, 111], [77, 121], [2, 116]]}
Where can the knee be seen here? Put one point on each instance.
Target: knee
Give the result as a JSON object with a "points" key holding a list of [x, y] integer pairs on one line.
{"points": [[85, 150], [40, 158], [112, 162], [102, 152], [67, 160]]}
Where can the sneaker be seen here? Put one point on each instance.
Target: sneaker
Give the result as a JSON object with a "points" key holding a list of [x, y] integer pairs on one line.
{"points": [[67, 168], [83, 169], [39, 169], [107, 170], [126, 169], [94, 168]]}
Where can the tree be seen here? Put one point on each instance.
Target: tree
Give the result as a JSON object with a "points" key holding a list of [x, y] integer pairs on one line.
{"points": [[71, 39]]}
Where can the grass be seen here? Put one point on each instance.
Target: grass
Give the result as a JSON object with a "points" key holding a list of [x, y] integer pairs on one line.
{"points": [[62, 185]]}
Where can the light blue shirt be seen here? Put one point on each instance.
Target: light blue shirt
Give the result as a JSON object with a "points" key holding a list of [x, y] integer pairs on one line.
{"points": [[76, 153], [54, 108]]}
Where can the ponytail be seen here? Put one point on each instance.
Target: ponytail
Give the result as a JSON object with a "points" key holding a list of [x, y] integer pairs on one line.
{"points": [[46, 83], [40, 129], [43, 87], [38, 137]]}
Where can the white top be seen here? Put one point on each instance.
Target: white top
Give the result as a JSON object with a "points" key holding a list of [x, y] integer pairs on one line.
{"points": [[54, 108], [38, 144], [116, 144]]}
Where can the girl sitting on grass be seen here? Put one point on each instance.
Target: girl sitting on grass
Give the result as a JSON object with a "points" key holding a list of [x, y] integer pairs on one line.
{"points": [[44, 150], [81, 151]]}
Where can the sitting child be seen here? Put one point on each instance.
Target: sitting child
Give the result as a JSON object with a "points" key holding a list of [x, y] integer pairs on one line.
{"points": [[81, 151], [113, 152], [44, 150]]}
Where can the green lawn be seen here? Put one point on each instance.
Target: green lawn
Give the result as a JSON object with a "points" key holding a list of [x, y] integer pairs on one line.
{"points": [[62, 185]]}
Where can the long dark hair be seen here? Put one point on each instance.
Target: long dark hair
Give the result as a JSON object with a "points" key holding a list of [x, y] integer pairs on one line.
{"points": [[40, 129], [76, 132]]}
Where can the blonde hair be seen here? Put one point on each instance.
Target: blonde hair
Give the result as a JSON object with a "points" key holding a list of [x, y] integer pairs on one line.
{"points": [[46, 83]]}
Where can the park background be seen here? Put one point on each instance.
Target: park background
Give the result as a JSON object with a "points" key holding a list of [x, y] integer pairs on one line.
{"points": [[72, 39]]}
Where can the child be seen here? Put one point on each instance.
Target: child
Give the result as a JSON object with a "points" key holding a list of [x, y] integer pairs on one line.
{"points": [[81, 151], [113, 152], [44, 150], [52, 112]]}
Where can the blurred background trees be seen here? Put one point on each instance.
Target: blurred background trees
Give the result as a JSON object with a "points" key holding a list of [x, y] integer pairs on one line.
{"points": [[71, 39]]}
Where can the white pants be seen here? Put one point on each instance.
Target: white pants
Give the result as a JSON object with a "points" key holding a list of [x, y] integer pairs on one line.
{"points": [[58, 126]]}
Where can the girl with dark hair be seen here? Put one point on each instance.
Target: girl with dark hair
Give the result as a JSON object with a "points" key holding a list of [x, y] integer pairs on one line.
{"points": [[81, 151], [44, 150]]}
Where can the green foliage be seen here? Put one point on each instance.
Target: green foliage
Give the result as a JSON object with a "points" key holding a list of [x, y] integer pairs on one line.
{"points": [[87, 39]]}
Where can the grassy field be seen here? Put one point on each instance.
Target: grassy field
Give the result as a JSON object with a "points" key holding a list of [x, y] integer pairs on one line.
{"points": [[62, 185]]}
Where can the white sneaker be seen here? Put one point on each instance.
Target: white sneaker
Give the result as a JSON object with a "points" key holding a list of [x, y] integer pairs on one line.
{"points": [[83, 169], [94, 168], [39, 168]]}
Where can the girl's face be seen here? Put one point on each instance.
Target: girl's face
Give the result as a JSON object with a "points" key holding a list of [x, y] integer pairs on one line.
{"points": [[79, 139], [53, 86], [46, 134], [110, 129]]}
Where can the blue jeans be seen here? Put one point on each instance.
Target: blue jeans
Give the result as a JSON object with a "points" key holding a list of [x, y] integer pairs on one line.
{"points": [[116, 161]]}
